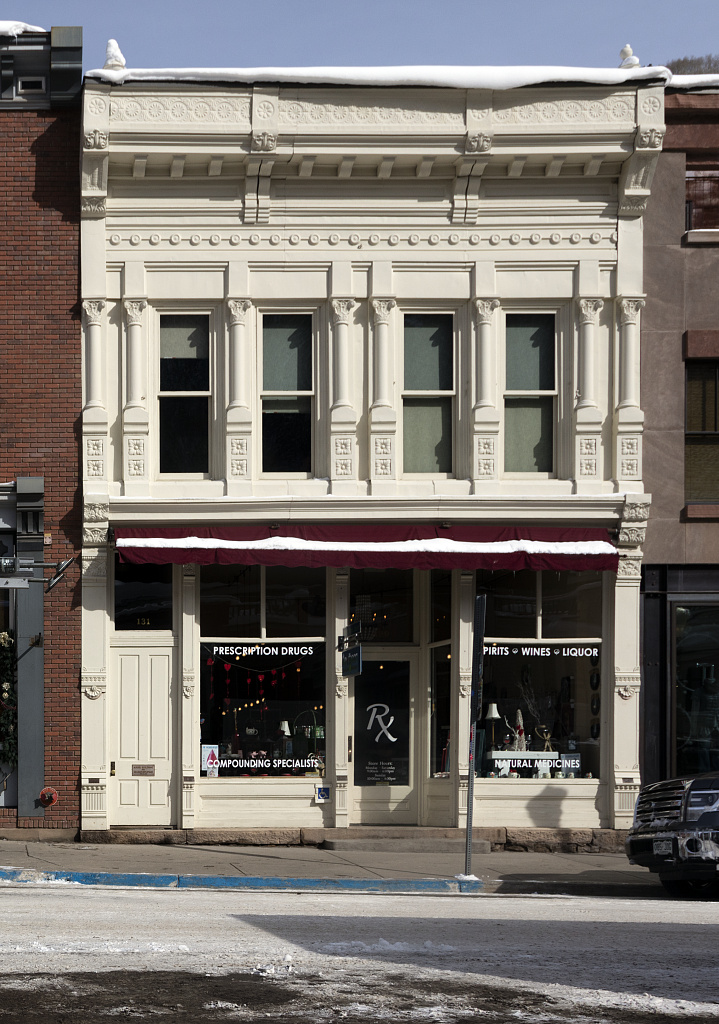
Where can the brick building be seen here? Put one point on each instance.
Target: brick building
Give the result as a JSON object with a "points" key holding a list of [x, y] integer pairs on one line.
{"points": [[41, 389]]}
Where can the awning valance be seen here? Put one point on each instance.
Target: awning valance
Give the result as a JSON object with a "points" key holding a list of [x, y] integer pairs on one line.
{"points": [[371, 546]]}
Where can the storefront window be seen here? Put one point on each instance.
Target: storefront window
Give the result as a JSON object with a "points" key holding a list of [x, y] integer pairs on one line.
{"points": [[230, 600], [143, 596], [696, 688], [382, 601], [295, 601], [262, 709], [542, 700]]}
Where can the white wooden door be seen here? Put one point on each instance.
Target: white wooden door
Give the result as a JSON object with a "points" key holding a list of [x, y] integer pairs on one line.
{"points": [[384, 786], [140, 792]]}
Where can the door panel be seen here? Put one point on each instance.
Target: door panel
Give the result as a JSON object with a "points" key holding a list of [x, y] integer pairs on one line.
{"points": [[384, 785], [141, 738]]}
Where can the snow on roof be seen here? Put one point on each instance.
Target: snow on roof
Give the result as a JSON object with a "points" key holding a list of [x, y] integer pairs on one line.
{"points": [[693, 82], [447, 76], [16, 28]]}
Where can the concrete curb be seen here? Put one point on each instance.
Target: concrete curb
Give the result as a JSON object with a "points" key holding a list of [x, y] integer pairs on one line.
{"points": [[372, 885]]}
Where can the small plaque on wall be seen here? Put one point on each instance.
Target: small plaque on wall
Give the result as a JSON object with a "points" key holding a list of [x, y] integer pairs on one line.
{"points": [[143, 769]]}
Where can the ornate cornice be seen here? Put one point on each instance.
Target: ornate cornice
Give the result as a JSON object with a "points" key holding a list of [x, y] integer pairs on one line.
{"points": [[381, 309], [484, 309], [133, 310]]}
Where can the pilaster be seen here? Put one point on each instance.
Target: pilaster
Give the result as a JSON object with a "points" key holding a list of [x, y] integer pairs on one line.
{"points": [[485, 414], [238, 419], [93, 680], [464, 593], [135, 416], [625, 733], [338, 704], [189, 702], [95, 435], [383, 413], [628, 416], [588, 449], [343, 415]]}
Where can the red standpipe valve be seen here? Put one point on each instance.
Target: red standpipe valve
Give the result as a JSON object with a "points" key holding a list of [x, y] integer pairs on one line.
{"points": [[48, 796]]}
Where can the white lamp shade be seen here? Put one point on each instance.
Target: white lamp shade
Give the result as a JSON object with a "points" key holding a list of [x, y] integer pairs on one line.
{"points": [[492, 712], [285, 728]]}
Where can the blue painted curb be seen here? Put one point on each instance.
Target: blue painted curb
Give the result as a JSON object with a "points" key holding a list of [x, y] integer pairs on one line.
{"points": [[378, 885]]}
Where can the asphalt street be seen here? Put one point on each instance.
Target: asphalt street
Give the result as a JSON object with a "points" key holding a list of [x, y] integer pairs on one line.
{"points": [[77, 953]]}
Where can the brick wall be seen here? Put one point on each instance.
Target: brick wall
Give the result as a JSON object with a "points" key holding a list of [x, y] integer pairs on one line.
{"points": [[40, 402]]}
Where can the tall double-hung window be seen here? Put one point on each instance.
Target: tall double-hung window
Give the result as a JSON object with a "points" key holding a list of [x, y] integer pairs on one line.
{"points": [[184, 393], [701, 442], [530, 395], [287, 393], [428, 393]]}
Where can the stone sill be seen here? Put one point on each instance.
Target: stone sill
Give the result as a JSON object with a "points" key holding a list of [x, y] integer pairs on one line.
{"points": [[701, 236]]}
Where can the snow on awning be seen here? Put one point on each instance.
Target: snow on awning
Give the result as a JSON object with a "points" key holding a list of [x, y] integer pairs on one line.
{"points": [[370, 546]]}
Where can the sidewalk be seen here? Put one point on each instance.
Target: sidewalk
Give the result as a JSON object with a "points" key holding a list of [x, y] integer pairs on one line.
{"points": [[307, 867]]}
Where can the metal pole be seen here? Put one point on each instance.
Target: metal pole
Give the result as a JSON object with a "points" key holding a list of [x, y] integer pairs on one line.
{"points": [[480, 604]]}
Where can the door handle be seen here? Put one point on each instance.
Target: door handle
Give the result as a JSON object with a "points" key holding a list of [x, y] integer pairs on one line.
{"points": [[112, 767], [349, 750]]}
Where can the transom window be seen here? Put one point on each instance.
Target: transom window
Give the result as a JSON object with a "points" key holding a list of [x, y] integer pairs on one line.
{"points": [[427, 398], [530, 393], [184, 393], [287, 393]]}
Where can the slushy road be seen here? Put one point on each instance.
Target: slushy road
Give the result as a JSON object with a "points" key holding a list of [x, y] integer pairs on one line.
{"points": [[75, 953]]}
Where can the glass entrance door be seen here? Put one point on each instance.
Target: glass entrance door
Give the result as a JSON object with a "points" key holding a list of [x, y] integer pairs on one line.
{"points": [[695, 692], [383, 768]]}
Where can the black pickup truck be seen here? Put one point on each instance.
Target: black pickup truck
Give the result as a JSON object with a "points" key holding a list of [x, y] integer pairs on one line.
{"points": [[676, 834]]}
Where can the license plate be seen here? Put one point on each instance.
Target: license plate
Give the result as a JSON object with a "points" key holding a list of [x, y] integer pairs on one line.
{"points": [[662, 846]]}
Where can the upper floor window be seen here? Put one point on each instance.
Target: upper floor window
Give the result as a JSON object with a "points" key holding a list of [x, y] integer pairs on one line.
{"points": [[530, 394], [184, 393], [702, 200], [427, 397], [701, 441], [287, 393]]}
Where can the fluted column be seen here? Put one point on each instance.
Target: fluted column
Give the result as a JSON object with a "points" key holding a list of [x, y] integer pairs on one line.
{"points": [[383, 414], [238, 431], [93, 313], [628, 416], [343, 417]]}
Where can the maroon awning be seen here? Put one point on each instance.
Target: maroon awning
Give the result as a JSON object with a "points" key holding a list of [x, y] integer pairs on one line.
{"points": [[371, 546]]}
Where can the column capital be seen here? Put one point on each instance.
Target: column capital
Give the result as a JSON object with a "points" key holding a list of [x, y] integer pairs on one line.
{"points": [[237, 310], [133, 310], [92, 308], [629, 309], [381, 309], [341, 310], [589, 310], [484, 308]]}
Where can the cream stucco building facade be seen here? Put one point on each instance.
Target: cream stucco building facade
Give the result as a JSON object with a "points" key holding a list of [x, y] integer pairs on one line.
{"points": [[353, 315]]}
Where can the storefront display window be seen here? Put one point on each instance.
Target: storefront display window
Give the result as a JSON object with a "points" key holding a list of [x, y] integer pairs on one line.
{"points": [[143, 596], [262, 709], [255, 601], [546, 692], [696, 688], [382, 601]]}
